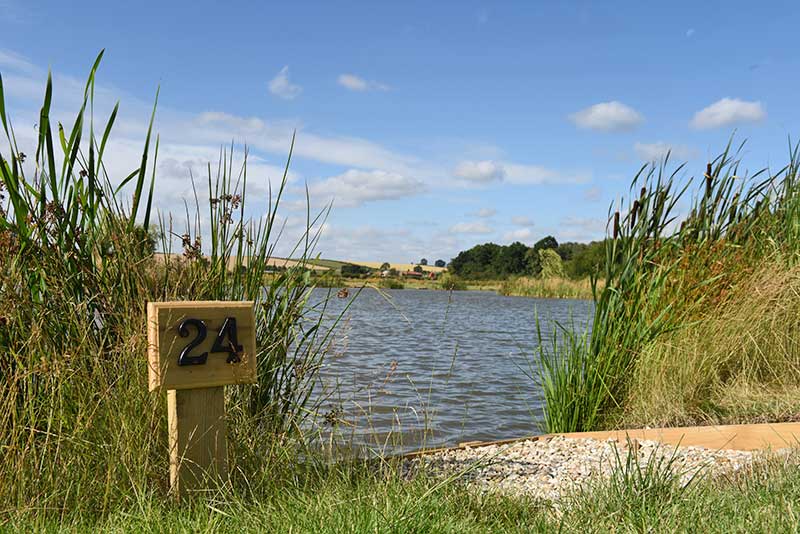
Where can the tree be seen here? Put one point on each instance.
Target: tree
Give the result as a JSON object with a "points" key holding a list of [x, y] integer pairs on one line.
{"points": [[417, 268], [546, 242], [568, 250], [491, 261], [587, 261], [477, 262], [440, 263], [385, 266], [533, 262], [532, 257], [349, 269], [511, 260], [552, 266], [423, 261]]}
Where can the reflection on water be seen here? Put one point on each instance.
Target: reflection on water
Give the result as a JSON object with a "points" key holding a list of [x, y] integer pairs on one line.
{"points": [[414, 366]]}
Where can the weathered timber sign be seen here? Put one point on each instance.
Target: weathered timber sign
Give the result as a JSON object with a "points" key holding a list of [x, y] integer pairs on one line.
{"points": [[194, 350]]}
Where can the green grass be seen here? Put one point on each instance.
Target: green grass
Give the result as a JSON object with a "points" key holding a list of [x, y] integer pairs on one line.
{"points": [[763, 498], [741, 363], [331, 264]]}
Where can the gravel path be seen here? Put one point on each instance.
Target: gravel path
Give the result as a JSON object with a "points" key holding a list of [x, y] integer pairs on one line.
{"points": [[547, 468]]}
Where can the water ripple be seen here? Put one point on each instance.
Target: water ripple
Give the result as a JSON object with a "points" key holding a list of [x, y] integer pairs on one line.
{"points": [[439, 367]]}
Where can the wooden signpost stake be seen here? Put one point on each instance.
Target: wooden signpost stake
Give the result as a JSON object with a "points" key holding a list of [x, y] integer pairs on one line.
{"points": [[194, 350]]}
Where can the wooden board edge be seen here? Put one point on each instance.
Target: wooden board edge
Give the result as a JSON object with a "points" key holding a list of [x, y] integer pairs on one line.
{"points": [[202, 303], [779, 430], [172, 434], [153, 368]]}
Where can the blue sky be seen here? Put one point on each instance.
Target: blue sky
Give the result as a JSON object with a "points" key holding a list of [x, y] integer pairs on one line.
{"points": [[433, 127]]}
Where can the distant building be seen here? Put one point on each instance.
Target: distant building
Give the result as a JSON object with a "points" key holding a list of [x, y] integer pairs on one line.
{"points": [[419, 276]]}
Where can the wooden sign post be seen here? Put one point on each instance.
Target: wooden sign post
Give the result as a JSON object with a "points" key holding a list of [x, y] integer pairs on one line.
{"points": [[194, 350]]}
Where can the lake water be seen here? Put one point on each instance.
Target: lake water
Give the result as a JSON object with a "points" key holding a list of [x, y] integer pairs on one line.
{"points": [[415, 367]]}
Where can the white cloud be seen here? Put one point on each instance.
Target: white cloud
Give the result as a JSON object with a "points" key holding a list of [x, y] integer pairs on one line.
{"points": [[488, 171], [593, 193], [275, 137], [536, 174], [470, 228], [689, 32], [520, 234], [486, 212], [726, 112], [658, 151], [582, 229], [521, 220], [355, 187], [480, 171], [395, 244], [587, 223], [356, 83], [607, 117], [13, 61], [281, 86], [196, 136]]}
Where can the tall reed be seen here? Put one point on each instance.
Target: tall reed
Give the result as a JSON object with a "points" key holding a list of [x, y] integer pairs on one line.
{"points": [[663, 269], [79, 262]]}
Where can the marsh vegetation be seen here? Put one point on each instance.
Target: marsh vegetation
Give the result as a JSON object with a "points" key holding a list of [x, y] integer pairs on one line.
{"points": [[695, 318]]}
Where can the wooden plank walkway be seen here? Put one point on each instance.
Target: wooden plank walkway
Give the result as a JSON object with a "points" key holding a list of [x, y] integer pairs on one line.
{"points": [[731, 437]]}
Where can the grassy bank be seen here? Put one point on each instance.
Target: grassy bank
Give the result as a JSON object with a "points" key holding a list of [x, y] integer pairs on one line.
{"points": [[554, 288], [740, 362], [695, 321], [763, 498], [558, 288]]}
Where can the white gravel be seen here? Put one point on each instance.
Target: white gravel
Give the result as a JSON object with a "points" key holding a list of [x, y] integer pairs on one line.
{"points": [[547, 468]]}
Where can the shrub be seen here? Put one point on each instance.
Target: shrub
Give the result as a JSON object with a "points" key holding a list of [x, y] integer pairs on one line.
{"points": [[354, 271], [390, 283], [452, 283], [551, 264]]}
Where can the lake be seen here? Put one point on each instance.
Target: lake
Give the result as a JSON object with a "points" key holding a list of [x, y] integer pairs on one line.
{"points": [[413, 367]]}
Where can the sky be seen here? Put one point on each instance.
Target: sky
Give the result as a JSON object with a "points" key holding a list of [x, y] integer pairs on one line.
{"points": [[431, 127]]}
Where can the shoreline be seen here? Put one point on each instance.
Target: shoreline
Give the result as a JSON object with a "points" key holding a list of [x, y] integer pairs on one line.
{"points": [[549, 469], [499, 287]]}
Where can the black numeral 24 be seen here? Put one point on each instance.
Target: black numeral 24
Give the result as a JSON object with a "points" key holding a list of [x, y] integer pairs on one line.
{"points": [[228, 330]]}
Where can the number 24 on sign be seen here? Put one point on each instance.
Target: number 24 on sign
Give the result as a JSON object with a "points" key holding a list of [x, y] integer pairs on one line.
{"points": [[228, 329], [211, 328]]}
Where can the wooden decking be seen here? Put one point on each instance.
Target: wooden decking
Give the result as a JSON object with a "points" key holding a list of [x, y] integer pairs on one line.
{"points": [[732, 437], [735, 437]]}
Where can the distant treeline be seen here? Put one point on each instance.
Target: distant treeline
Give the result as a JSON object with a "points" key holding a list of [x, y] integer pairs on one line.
{"points": [[545, 258]]}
